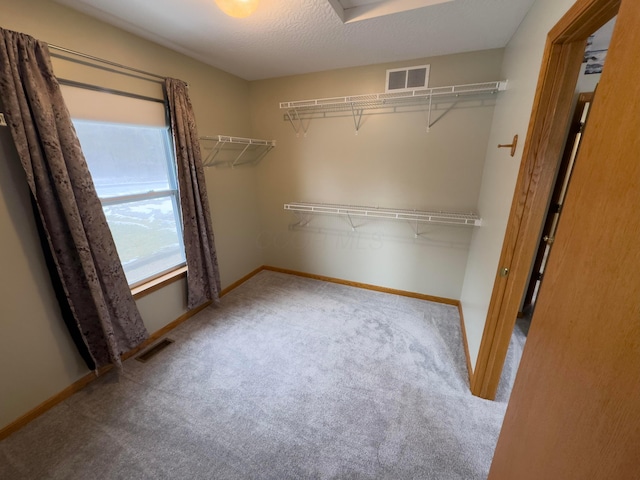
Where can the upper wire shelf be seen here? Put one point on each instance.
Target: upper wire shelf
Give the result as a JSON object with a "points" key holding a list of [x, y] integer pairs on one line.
{"points": [[299, 110], [377, 100], [234, 151]]}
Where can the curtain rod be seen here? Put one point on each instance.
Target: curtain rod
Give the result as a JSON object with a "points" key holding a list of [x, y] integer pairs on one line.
{"points": [[102, 60], [97, 88]]}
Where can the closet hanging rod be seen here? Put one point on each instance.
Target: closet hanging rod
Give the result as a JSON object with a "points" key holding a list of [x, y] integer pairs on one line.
{"points": [[107, 62]]}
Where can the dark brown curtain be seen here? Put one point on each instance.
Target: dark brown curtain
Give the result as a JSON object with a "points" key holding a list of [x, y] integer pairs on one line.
{"points": [[70, 214], [203, 276]]}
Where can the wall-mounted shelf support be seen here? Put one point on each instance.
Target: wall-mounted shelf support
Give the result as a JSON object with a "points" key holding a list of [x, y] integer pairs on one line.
{"points": [[234, 151], [299, 110], [296, 122], [353, 226], [430, 123], [304, 211], [357, 117]]}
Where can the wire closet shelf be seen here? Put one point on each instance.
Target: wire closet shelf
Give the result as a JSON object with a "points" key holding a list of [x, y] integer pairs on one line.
{"points": [[422, 216], [381, 100], [234, 151]]}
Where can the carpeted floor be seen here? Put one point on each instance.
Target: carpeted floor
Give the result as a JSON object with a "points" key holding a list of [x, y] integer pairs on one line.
{"points": [[290, 378]]}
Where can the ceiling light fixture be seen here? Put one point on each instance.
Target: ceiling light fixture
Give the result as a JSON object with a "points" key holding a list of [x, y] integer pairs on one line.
{"points": [[238, 8]]}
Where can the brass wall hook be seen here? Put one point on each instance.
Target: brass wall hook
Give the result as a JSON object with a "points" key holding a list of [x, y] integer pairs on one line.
{"points": [[512, 146]]}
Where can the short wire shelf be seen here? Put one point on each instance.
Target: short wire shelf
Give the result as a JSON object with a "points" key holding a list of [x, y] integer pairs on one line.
{"points": [[230, 151]]}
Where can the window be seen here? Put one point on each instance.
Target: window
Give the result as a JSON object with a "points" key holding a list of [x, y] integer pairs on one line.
{"points": [[134, 172]]}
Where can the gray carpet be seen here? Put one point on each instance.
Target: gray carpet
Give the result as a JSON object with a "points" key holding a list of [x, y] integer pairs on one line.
{"points": [[290, 378]]}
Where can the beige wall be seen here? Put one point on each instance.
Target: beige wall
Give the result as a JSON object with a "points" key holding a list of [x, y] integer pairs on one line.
{"points": [[392, 162], [522, 59], [37, 358]]}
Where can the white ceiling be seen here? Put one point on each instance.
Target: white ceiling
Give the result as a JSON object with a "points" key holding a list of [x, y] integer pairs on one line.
{"points": [[286, 37]]}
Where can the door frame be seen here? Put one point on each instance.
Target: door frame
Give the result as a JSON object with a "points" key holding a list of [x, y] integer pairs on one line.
{"points": [[543, 148]]}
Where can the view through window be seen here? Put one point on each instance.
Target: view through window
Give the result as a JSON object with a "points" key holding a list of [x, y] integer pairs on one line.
{"points": [[133, 169]]}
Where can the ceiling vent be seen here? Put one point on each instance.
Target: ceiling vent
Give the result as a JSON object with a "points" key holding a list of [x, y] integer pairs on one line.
{"points": [[408, 78]]}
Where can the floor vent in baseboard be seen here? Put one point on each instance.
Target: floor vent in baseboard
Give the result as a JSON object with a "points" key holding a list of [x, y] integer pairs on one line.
{"points": [[153, 351]]}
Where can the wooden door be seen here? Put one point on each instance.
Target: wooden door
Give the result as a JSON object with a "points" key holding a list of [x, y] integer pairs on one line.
{"points": [[575, 408]]}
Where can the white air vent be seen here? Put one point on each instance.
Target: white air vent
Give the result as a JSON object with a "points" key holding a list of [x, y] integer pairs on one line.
{"points": [[408, 78]]}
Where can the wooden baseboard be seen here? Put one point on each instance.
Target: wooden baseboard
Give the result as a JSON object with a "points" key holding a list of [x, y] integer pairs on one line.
{"points": [[236, 284], [91, 376], [366, 286], [465, 344], [51, 402], [164, 330]]}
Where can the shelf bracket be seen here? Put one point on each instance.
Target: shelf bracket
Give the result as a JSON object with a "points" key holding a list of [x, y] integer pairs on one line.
{"points": [[235, 162], [261, 156], [303, 220], [415, 226], [214, 152], [416, 230], [353, 227], [357, 117], [431, 124], [296, 122]]}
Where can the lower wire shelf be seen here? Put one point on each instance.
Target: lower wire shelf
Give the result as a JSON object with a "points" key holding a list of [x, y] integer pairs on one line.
{"points": [[423, 216]]}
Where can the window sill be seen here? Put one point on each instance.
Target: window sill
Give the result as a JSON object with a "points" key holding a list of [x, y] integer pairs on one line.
{"points": [[159, 282]]}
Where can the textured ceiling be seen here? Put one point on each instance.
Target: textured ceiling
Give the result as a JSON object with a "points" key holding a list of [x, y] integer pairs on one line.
{"points": [[285, 37]]}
